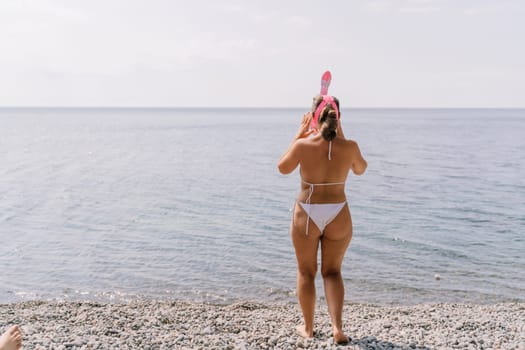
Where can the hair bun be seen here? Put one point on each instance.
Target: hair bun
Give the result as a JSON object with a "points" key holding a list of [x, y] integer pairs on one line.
{"points": [[329, 124], [328, 121]]}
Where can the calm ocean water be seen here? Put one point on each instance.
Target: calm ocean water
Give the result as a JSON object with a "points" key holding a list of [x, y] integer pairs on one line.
{"points": [[124, 204]]}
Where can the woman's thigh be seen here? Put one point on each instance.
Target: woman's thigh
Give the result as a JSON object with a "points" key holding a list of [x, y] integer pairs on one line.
{"points": [[335, 241], [306, 245]]}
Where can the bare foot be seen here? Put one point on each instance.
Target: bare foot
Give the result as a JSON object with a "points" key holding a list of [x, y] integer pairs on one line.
{"points": [[340, 337], [11, 339], [300, 330]]}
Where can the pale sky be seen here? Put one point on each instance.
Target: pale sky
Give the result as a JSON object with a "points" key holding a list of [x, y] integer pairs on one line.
{"points": [[267, 53]]}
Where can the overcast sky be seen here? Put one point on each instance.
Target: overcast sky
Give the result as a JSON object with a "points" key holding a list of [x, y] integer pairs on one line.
{"points": [[395, 53]]}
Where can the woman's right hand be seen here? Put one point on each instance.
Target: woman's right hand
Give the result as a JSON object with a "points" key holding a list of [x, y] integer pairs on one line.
{"points": [[304, 128]]}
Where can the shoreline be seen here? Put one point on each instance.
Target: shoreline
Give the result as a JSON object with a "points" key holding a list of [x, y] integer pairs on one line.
{"points": [[256, 325]]}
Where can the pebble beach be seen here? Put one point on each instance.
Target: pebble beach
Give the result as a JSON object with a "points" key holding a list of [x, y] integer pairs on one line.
{"points": [[252, 325]]}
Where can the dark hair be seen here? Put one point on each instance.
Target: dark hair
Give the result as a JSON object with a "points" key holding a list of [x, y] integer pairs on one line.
{"points": [[327, 118]]}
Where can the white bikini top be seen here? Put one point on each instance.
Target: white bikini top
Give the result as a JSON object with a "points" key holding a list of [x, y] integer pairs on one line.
{"points": [[311, 188]]}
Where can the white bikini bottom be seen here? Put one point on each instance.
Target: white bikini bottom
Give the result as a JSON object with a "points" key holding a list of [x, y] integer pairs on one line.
{"points": [[321, 214]]}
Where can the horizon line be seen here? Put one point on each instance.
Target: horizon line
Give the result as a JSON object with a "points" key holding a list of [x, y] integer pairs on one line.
{"points": [[238, 107]]}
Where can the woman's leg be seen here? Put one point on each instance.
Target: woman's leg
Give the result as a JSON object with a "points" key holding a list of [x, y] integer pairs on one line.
{"points": [[306, 252], [334, 243]]}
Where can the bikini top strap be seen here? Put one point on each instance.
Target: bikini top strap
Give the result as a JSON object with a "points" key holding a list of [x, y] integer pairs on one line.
{"points": [[311, 192], [323, 184]]}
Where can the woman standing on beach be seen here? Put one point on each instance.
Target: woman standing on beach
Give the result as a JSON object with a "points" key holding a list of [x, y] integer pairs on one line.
{"points": [[321, 214]]}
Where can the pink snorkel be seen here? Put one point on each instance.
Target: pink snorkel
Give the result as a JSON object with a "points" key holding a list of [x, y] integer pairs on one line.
{"points": [[327, 99], [325, 82]]}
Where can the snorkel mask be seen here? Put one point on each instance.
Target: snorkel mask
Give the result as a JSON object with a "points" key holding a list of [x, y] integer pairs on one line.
{"points": [[327, 100]]}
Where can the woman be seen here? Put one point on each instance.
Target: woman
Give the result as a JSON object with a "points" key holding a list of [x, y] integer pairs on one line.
{"points": [[321, 214]]}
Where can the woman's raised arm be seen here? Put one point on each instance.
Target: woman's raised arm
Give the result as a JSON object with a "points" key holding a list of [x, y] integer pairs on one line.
{"points": [[290, 160], [359, 163]]}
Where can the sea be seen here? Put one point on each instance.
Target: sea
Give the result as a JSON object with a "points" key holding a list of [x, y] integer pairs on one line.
{"points": [[126, 204]]}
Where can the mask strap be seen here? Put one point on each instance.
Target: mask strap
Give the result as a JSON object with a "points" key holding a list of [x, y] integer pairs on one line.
{"points": [[327, 99]]}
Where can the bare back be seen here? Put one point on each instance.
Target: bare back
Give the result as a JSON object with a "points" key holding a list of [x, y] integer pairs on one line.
{"points": [[312, 156], [317, 168]]}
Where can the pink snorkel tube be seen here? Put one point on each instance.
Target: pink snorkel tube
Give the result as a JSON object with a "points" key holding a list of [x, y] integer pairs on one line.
{"points": [[327, 99]]}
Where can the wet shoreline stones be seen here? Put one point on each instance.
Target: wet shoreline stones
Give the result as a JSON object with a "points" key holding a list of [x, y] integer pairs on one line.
{"points": [[252, 325]]}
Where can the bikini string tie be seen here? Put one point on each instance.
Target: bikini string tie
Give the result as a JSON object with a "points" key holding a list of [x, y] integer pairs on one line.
{"points": [[308, 200]]}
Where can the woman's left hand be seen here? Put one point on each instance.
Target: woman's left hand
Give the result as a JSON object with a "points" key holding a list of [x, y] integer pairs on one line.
{"points": [[304, 128]]}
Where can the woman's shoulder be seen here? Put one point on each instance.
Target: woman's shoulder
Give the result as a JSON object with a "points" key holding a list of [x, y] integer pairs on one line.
{"points": [[302, 145], [350, 146], [348, 142], [308, 141]]}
